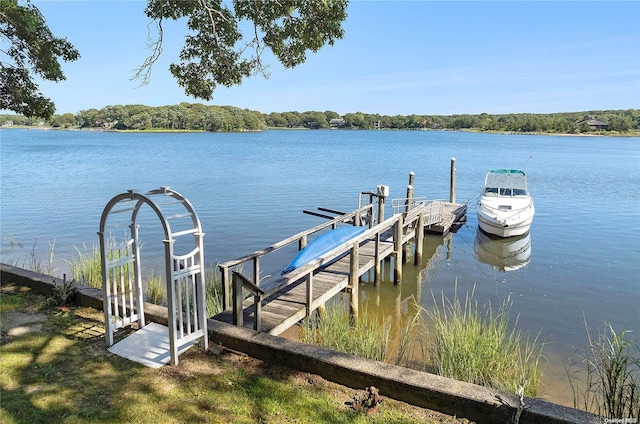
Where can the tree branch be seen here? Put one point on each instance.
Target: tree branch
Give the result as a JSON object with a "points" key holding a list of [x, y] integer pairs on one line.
{"points": [[144, 71]]}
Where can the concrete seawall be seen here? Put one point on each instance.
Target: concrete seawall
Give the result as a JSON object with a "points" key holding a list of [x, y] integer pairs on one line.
{"points": [[463, 400]]}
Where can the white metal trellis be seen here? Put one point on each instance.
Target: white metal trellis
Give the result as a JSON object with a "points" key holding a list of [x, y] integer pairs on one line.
{"points": [[123, 296]]}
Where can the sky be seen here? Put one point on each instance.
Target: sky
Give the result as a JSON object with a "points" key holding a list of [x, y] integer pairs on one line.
{"points": [[396, 58]]}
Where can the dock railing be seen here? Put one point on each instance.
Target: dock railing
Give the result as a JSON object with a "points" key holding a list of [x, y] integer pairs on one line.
{"points": [[300, 238], [398, 229]]}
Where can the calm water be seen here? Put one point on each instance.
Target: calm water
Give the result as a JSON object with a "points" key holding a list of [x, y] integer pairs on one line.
{"points": [[581, 258]]}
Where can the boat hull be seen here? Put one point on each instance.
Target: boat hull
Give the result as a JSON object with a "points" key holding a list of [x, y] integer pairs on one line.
{"points": [[505, 217], [491, 226]]}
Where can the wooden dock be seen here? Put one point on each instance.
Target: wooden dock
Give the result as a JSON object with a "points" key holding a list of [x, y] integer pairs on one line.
{"points": [[277, 304]]}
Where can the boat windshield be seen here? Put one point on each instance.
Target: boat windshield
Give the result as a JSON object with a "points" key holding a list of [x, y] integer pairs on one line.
{"points": [[495, 191], [506, 182]]}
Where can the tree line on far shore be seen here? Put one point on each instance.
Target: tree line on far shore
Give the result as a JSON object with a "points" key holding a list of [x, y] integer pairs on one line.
{"points": [[199, 117]]}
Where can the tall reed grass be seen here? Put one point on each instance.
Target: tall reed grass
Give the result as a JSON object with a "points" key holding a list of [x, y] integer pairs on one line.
{"points": [[412, 336], [335, 330], [476, 345], [606, 380], [213, 291], [32, 261], [87, 266], [156, 288]]}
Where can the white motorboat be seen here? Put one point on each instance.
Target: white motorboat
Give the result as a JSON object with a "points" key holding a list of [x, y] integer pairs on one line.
{"points": [[506, 207]]}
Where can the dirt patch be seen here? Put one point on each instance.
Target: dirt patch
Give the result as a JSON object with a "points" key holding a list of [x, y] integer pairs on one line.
{"points": [[15, 323]]}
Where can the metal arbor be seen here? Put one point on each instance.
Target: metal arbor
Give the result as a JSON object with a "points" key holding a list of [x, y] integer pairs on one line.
{"points": [[123, 296]]}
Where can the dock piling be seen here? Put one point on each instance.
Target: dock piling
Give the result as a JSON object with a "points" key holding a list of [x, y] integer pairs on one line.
{"points": [[452, 187]]}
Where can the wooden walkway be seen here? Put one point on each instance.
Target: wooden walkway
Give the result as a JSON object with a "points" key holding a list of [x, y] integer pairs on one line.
{"points": [[274, 306]]}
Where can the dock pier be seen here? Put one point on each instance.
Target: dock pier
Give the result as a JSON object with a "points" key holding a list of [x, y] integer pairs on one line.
{"points": [[277, 303]]}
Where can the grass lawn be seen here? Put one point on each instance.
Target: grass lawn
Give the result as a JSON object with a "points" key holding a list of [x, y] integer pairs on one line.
{"points": [[54, 368]]}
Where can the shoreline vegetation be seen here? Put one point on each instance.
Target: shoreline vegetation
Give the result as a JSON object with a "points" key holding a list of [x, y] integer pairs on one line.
{"points": [[56, 368], [191, 117], [457, 338]]}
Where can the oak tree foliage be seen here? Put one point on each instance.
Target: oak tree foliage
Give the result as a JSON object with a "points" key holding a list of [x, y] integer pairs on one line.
{"points": [[225, 42], [217, 51], [29, 49]]}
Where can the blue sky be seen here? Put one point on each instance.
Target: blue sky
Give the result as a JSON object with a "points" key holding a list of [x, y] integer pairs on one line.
{"points": [[396, 58]]}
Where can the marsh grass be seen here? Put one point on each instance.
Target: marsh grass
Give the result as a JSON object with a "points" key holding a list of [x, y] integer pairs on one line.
{"points": [[606, 380], [155, 288], [87, 266], [412, 337], [335, 330], [476, 345], [32, 261], [213, 291]]}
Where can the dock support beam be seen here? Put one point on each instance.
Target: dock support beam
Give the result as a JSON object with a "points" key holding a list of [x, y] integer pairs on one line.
{"points": [[397, 275], [354, 282], [378, 262], [226, 288], [419, 240], [380, 209], [452, 188], [412, 177]]}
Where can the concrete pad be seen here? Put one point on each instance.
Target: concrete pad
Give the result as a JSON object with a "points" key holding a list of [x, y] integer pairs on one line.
{"points": [[148, 346]]}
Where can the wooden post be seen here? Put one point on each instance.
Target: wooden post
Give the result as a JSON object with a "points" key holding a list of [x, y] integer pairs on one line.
{"points": [[257, 321], [354, 282], [302, 243], [226, 288], [419, 239], [452, 188], [412, 177], [397, 275], [309, 292], [256, 271], [378, 263], [381, 200], [238, 317]]}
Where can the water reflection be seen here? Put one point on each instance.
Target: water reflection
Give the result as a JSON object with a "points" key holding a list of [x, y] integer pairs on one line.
{"points": [[503, 254]]}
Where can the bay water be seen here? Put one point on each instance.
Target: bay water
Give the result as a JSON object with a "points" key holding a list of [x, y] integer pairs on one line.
{"points": [[579, 263]]}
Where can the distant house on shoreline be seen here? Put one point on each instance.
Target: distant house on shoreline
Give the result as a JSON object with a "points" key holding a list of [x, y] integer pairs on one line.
{"points": [[594, 124], [337, 122]]}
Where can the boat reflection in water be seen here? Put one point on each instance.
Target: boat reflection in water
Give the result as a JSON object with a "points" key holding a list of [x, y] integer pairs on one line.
{"points": [[503, 254]]}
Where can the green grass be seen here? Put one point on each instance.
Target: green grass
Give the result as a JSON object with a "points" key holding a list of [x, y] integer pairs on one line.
{"points": [[64, 374], [87, 266], [477, 345], [32, 261], [335, 330], [606, 380], [213, 291], [155, 288], [470, 343]]}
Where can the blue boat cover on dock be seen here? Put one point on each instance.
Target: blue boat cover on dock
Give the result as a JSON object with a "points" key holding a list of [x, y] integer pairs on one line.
{"points": [[323, 244]]}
